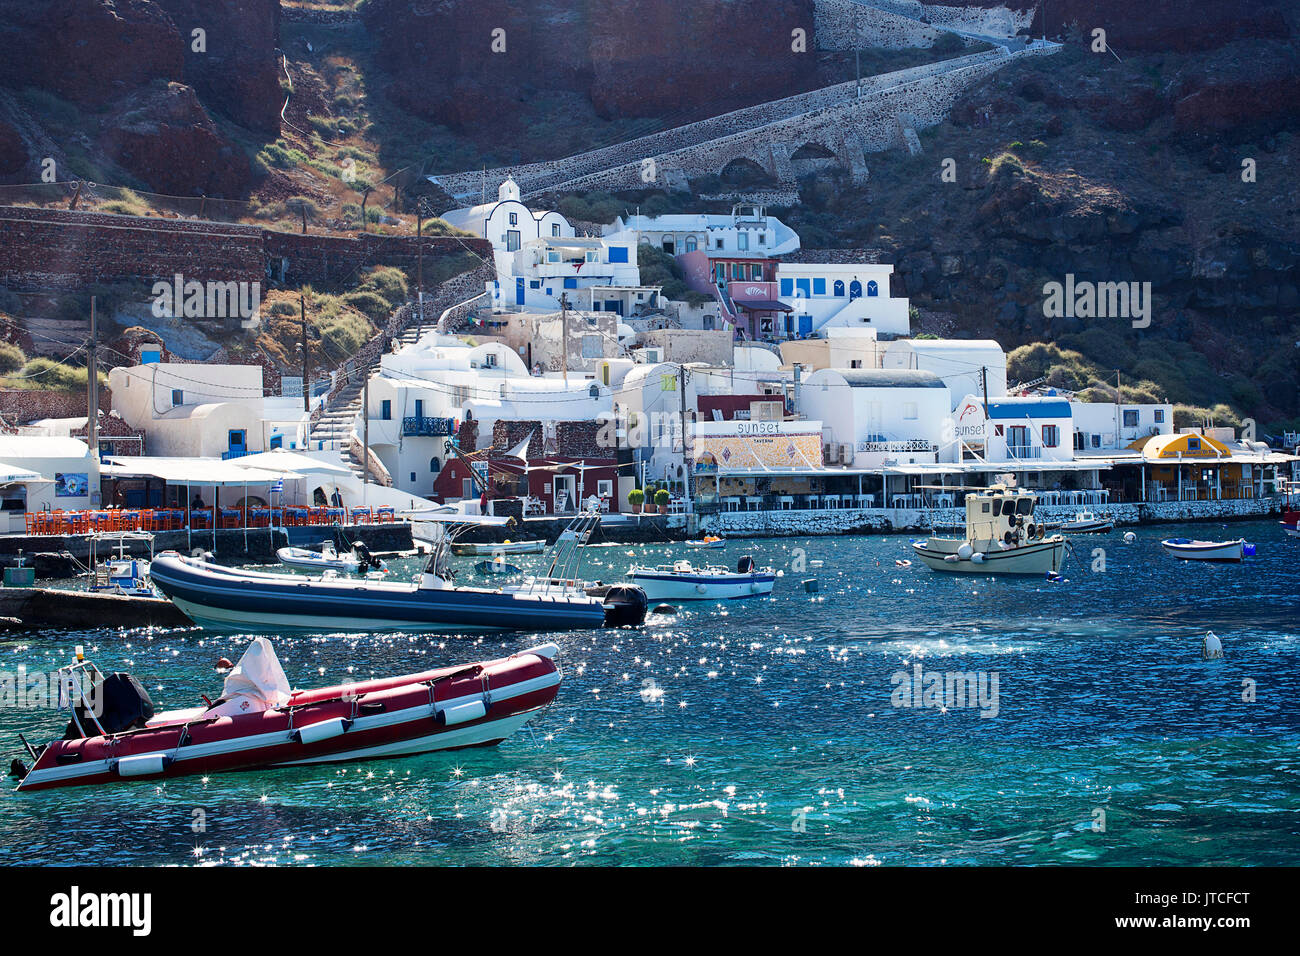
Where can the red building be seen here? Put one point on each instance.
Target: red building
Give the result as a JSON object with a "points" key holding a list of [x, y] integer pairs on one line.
{"points": [[559, 482]]}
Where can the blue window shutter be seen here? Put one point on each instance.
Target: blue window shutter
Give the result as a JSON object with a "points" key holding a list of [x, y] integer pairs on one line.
{"points": [[787, 287], [570, 283], [618, 254], [819, 286]]}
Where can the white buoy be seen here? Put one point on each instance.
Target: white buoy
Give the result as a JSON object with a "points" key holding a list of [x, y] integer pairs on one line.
{"points": [[964, 551], [978, 557], [1211, 647], [1129, 537]]}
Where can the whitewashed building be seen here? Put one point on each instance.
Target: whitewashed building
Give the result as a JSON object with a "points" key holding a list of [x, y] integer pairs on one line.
{"points": [[967, 366], [205, 411], [545, 271], [44, 473], [747, 230], [509, 224], [823, 295], [1104, 426], [872, 417]]}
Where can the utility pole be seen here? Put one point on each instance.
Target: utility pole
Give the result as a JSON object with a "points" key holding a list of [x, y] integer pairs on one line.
{"points": [[984, 389], [92, 383], [419, 252], [365, 439], [686, 464], [306, 382], [564, 333]]}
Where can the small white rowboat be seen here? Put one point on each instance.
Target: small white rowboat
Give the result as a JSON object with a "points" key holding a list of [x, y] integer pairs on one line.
{"points": [[1205, 550]]}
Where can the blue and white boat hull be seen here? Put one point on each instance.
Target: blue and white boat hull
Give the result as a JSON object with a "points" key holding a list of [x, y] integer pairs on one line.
{"points": [[228, 599]]}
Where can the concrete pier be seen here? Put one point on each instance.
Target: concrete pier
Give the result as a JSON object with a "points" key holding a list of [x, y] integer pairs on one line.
{"points": [[57, 557], [47, 607]]}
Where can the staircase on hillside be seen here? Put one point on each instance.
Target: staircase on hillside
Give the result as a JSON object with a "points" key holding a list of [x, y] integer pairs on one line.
{"points": [[333, 430]]}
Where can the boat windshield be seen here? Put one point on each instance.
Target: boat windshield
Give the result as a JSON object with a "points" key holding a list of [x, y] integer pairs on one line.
{"points": [[1008, 507], [1025, 506]]}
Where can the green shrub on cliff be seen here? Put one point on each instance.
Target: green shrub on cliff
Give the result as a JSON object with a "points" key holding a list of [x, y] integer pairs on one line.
{"points": [[11, 357]]}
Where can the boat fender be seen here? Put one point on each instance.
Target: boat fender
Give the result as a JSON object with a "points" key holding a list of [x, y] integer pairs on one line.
{"points": [[700, 588], [323, 730], [1211, 647], [460, 714], [964, 551], [142, 765], [951, 559], [978, 557], [665, 609], [1129, 537]]}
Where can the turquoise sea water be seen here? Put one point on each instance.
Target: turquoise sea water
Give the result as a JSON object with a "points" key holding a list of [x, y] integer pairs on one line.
{"points": [[763, 732]]}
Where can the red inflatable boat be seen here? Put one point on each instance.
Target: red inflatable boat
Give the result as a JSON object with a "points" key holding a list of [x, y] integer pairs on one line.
{"points": [[115, 735]]}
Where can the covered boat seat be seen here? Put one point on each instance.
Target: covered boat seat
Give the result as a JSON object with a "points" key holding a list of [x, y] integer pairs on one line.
{"points": [[255, 684]]}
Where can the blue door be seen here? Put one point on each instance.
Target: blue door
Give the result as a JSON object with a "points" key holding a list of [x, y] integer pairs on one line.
{"points": [[519, 292], [805, 325], [236, 443]]}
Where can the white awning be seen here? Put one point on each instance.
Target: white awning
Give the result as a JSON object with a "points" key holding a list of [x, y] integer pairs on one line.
{"points": [[288, 461], [14, 474], [197, 472]]}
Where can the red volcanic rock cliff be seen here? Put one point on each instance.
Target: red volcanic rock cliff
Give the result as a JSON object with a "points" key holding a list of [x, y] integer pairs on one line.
{"points": [[628, 58], [146, 92], [238, 74], [87, 51]]}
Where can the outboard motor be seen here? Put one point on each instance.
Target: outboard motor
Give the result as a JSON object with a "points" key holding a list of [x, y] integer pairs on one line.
{"points": [[745, 565], [368, 561], [625, 605], [123, 703]]}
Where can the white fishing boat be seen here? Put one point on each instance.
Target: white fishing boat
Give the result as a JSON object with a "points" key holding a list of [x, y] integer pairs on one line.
{"points": [[492, 549], [712, 542], [1194, 550], [1001, 538], [1085, 522], [121, 573], [329, 558], [682, 581]]}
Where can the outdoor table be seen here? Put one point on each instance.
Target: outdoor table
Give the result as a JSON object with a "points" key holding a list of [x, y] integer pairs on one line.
{"points": [[230, 518], [259, 517], [333, 515], [786, 502], [753, 503], [733, 504], [361, 516], [200, 518], [385, 514]]}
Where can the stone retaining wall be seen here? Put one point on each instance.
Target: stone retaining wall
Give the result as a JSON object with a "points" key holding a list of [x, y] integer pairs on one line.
{"points": [[813, 522]]}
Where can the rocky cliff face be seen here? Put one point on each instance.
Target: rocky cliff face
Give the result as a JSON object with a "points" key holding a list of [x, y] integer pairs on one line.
{"points": [[140, 86], [629, 59]]}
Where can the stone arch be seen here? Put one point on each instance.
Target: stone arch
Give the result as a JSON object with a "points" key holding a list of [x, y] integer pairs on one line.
{"points": [[745, 171], [812, 150]]}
